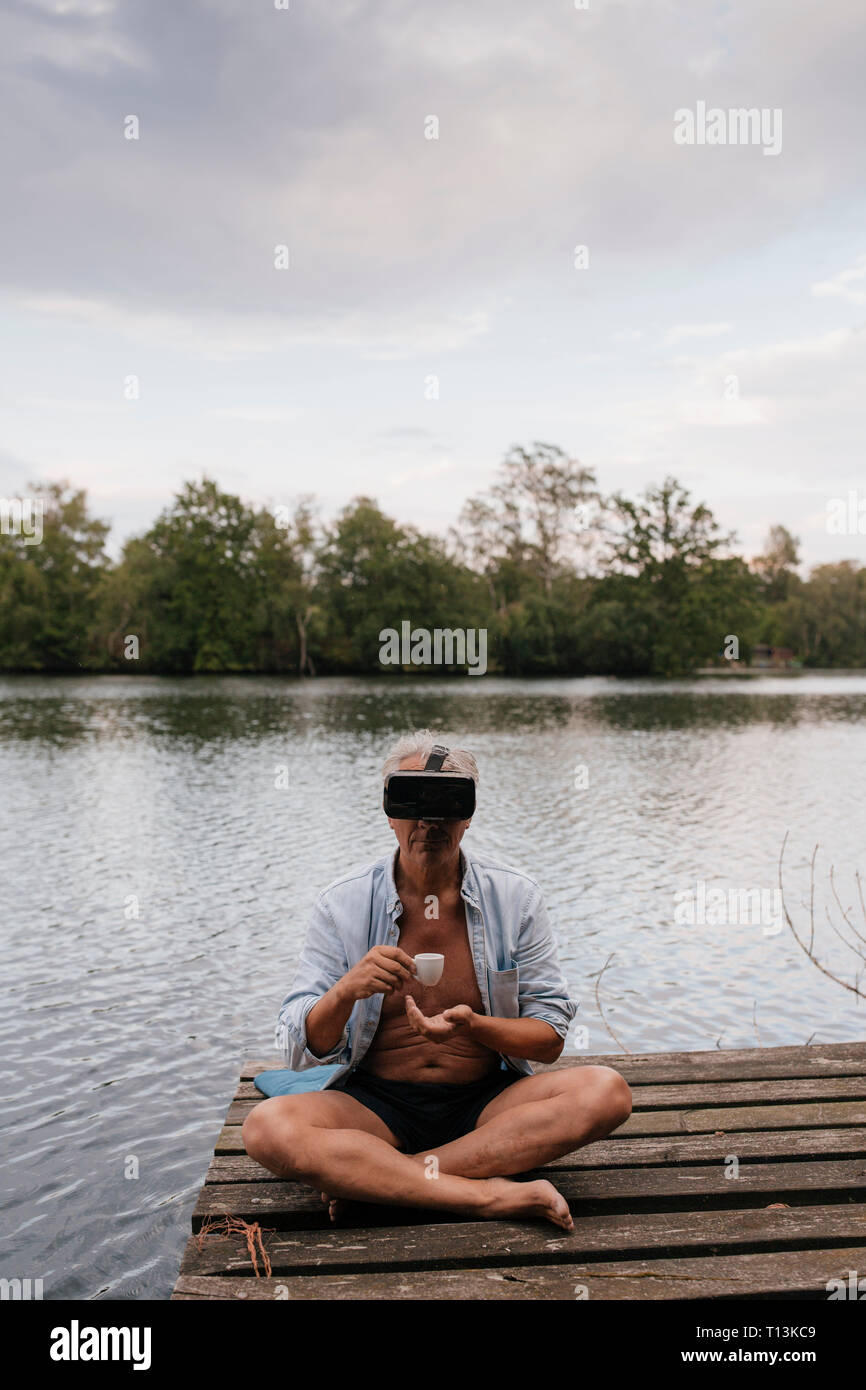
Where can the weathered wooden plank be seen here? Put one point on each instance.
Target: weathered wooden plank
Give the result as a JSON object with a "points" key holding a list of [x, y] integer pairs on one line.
{"points": [[237, 1168], [676, 1097], [291, 1205], [822, 1114], [758, 1146], [708, 1064], [733, 1118], [780, 1274], [759, 1092], [495, 1243]]}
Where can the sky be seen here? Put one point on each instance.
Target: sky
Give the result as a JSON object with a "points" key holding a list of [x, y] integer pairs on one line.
{"points": [[430, 171]]}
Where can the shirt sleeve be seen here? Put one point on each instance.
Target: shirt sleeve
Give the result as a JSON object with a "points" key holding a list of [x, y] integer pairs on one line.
{"points": [[543, 990], [323, 962]]}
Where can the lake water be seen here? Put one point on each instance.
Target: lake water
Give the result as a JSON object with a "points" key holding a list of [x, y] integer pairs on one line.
{"points": [[122, 1034]]}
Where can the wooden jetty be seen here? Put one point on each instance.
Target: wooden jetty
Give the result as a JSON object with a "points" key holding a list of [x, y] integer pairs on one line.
{"points": [[657, 1209]]}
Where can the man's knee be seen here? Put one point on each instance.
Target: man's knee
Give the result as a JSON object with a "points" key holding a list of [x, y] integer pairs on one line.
{"points": [[608, 1094], [614, 1096], [274, 1138], [258, 1129]]}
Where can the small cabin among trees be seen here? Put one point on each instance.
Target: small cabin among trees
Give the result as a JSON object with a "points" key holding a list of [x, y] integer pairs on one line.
{"points": [[764, 655]]}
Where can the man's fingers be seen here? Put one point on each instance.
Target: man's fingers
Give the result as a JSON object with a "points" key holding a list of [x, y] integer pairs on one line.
{"points": [[391, 966], [397, 977], [417, 1019], [382, 984], [400, 956], [388, 970]]}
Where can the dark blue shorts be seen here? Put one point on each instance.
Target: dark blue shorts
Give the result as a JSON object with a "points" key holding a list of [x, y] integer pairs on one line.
{"points": [[423, 1115]]}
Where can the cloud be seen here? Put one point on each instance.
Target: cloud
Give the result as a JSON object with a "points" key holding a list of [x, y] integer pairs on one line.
{"points": [[421, 472], [72, 36], [696, 330], [703, 63], [403, 432], [848, 284], [223, 336], [256, 414], [307, 128], [720, 413], [794, 367], [793, 384], [92, 9]]}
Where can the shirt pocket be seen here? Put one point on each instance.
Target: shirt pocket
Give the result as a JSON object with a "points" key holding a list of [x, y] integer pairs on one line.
{"points": [[502, 988]]}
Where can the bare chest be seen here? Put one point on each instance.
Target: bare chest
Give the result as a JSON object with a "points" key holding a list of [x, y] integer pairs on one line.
{"points": [[446, 935]]}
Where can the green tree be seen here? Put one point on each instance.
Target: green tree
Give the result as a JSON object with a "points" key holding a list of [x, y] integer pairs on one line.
{"points": [[776, 566], [190, 589], [824, 619], [677, 595], [523, 538], [528, 526], [49, 591], [375, 574], [289, 563]]}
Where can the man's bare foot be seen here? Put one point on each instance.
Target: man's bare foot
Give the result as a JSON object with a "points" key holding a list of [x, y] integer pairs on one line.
{"points": [[525, 1200], [336, 1207]]}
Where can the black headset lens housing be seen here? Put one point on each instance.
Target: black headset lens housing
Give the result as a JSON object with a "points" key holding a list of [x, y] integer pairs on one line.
{"points": [[431, 794]]}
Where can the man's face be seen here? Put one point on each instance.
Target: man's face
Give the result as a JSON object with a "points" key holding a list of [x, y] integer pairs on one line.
{"points": [[426, 842]]}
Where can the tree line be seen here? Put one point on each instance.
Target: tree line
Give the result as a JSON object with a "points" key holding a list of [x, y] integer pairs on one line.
{"points": [[564, 580]]}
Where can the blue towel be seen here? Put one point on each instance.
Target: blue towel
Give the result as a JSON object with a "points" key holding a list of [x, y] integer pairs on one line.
{"points": [[293, 1083]]}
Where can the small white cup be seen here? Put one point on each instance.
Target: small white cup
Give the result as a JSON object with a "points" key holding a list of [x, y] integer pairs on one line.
{"points": [[430, 967]]}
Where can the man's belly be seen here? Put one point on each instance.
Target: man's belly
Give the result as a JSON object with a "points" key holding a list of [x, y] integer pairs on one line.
{"points": [[398, 1053]]}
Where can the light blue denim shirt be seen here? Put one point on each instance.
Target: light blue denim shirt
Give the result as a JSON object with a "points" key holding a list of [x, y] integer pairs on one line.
{"points": [[512, 945]]}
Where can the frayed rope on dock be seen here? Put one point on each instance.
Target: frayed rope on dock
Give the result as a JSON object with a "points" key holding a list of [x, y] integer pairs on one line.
{"points": [[233, 1226]]}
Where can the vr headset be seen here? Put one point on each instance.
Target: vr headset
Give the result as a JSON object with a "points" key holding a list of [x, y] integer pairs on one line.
{"points": [[431, 794]]}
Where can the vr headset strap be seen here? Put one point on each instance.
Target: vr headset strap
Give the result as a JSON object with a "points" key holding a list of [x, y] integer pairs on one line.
{"points": [[437, 758]]}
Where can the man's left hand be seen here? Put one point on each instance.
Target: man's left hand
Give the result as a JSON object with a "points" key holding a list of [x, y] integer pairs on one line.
{"points": [[442, 1026]]}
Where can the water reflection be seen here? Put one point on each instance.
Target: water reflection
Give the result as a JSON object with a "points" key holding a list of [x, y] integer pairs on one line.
{"points": [[224, 710]]}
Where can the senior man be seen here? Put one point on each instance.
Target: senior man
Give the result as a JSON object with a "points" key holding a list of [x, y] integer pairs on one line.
{"points": [[433, 1102]]}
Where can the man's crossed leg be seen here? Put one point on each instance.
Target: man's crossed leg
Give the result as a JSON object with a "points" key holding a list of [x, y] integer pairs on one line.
{"points": [[331, 1141]]}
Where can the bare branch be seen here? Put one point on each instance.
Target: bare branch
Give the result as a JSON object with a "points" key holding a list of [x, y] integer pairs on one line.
{"points": [[598, 1002], [812, 901], [845, 942], [853, 989], [842, 910]]}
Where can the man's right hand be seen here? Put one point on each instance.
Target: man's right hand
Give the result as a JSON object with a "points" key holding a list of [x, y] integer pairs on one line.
{"points": [[380, 971]]}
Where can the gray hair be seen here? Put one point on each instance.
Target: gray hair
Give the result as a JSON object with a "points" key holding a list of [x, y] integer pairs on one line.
{"points": [[421, 742]]}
